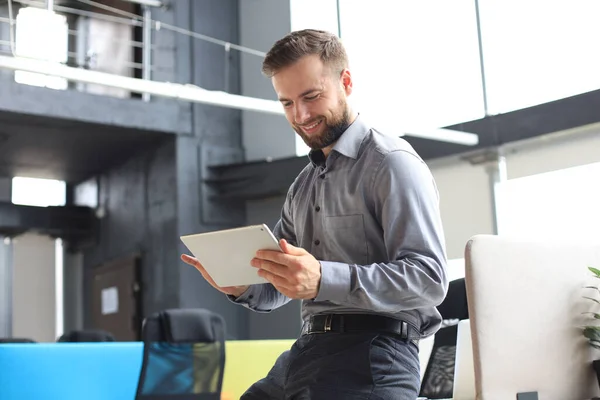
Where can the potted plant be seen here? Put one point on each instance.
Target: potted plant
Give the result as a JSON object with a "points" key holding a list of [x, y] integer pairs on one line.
{"points": [[592, 331]]}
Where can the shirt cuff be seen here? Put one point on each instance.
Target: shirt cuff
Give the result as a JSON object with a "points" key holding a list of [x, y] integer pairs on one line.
{"points": [[248, 298], [335, 282]]}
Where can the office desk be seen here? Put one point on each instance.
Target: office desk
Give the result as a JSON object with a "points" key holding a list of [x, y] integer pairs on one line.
{"points": [[101, 371], [70, 371]]}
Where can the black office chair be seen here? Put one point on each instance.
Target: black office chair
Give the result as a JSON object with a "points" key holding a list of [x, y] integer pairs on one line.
{"points": [[87, 335], [17, 340], [438, 380], [184, 356]]}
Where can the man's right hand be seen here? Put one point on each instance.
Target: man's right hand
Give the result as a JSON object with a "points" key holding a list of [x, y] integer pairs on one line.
{"points": [[235, 291]]}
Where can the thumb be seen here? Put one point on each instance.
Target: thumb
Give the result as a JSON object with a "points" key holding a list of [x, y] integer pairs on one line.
{"points": [[290, 249]]}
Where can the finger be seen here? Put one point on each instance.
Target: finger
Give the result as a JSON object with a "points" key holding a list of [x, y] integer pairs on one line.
{"points": [[291, 249], [273, 268], [276, 257], [277, 281], [189, 260], [196, 264]]}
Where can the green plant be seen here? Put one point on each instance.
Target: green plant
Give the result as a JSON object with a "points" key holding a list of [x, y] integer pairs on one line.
{"points": [[592, 332]]}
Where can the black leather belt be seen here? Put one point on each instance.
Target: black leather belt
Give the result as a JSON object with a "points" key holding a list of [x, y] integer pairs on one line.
{"points": [[354, 323]]}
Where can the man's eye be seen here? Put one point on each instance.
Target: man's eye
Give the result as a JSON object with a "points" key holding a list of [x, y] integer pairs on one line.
{"points": [[312, 97]]}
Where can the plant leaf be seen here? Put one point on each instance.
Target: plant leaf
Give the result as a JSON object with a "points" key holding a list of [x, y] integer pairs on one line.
{"points": [[597, 316], [592, 299], [595, 345], [596, 271], [592, 334]]}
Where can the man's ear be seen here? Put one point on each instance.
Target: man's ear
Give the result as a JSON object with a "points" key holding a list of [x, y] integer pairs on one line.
{"points": [[346, 80]]}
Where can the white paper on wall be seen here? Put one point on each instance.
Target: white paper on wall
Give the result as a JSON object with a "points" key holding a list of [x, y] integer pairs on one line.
{"points": [[110, 300]]}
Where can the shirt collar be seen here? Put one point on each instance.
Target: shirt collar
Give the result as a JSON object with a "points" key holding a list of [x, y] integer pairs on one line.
{"points": [[348, 144]]}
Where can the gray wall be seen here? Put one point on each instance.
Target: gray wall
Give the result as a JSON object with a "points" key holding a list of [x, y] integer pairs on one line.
{"points": [[5, 188], [4, 35], [262, 23], [73, 299], [34, 288], [138, 204], [216, 139]]}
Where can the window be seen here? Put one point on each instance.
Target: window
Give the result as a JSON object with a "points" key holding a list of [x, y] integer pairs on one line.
{"points": [[43, 35], [538, 51], [415, 63], [38, 192], [558, 205]]}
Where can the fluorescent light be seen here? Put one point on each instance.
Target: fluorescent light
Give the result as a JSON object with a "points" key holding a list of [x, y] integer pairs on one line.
{"points": [[149, 3], [445, 135], [163, 89], [196, 94]]}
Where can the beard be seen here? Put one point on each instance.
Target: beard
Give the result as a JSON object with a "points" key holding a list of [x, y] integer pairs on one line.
{"points": [[334, 128]]}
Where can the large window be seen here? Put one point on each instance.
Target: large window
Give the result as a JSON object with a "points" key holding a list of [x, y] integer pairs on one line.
{"points": [[537, 51], [415, 63], [418, 64], [558, 205]]}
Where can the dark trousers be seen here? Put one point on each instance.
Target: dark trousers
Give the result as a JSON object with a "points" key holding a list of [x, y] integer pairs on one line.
{"points": [[329, 366]]}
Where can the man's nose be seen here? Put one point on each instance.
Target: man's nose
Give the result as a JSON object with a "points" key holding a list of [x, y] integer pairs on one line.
{"points": [[301, 114]]}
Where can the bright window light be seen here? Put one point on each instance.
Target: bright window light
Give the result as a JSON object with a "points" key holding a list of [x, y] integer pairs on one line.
{"points": [[38, 192], [557, 205], [43, 35]]}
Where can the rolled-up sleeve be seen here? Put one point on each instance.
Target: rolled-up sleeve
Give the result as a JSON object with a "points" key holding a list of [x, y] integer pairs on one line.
{"points": [[406, 205]]}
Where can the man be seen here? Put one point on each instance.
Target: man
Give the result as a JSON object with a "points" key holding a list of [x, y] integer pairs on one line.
{"points": [[361, 237]]}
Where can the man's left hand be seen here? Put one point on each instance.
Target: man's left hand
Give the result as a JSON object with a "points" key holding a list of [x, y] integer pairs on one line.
{"points": [[294, 272]]}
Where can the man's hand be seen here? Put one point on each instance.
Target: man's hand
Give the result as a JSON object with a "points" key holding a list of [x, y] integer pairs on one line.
{"points": [[294, 272], [236, 291]]}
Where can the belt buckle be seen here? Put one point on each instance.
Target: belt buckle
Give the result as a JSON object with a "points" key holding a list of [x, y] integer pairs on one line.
{"points": [[326, 326], [328, 319]]}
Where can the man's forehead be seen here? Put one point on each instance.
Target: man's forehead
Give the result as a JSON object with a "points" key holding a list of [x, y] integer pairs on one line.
{"points": [[298, 86]]}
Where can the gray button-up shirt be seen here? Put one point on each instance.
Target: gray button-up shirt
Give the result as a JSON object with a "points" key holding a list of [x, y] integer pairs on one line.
{"points": [[369, 213]]}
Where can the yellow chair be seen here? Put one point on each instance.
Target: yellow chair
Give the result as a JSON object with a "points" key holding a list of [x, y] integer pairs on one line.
{"points": [[247, 361]]}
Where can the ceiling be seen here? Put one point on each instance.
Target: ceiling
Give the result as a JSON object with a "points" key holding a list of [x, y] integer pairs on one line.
{"points": [[68, 150]]}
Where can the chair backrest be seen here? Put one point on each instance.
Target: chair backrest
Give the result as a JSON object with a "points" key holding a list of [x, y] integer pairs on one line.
{"points": [[438, 379], [86, 336], [184, 356], [526, 309], [17, 340], [464, 372]]}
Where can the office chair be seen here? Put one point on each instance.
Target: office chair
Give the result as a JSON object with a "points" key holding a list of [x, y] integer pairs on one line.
{"points": [[184, 356], [17, 340], [438, 380], [88, 335]]}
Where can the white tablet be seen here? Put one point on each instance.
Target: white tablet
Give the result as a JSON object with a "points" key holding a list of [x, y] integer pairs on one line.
{"points": [[226, 254]]}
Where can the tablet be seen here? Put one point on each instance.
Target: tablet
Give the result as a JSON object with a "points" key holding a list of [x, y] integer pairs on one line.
{"points": [[226, 254]]}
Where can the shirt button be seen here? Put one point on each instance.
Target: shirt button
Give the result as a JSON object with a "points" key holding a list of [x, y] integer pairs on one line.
{"points": [[317, 208], [317, 242], [251, 297]]}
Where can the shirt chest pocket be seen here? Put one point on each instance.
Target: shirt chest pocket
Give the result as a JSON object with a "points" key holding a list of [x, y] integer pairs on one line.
{"points": [[346, 239]]}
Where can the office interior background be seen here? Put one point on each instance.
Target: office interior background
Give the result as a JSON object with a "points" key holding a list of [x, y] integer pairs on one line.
{"points": [[99, 179]]}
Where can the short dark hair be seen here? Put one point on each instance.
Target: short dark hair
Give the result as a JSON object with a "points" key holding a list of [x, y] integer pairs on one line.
{"points": [[298, 44]]}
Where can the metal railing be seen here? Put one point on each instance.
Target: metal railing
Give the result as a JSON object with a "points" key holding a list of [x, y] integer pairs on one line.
{"points": [[141, 28], [104, 50]]}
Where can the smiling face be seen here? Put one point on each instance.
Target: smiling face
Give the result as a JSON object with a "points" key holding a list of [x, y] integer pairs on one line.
{"points": [[315, 100]]}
